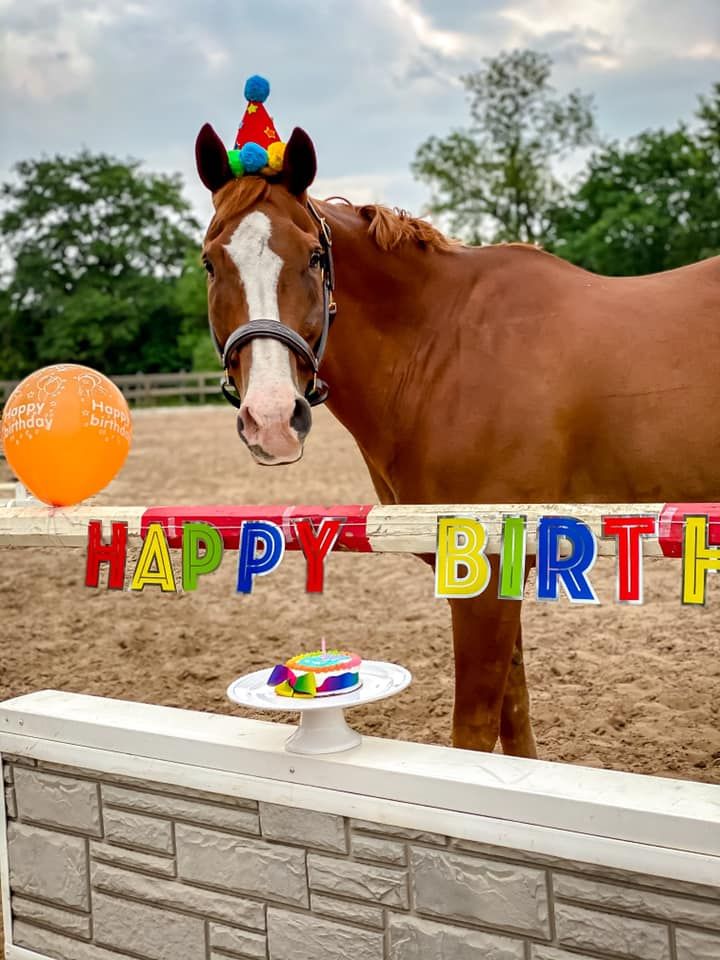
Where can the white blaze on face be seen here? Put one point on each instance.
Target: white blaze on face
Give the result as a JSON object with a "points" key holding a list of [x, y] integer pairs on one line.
{"points": [[259, 268], [265, 420]]}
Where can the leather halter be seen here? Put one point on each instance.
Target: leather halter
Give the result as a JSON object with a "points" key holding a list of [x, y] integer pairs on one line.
{"points": [[317, 390]]}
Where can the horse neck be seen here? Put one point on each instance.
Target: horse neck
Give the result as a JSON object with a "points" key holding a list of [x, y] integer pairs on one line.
{"points": [[382, 322]]}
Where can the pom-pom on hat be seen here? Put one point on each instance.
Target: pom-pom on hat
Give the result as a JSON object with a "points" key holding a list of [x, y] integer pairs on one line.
{"points": [[258, 148]]}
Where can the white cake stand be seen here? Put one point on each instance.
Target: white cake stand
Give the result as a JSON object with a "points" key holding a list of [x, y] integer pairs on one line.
{"points": [[322, 728]]}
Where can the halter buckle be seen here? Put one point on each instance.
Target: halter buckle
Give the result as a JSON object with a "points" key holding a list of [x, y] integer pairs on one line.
{"points": [[324, 226], [229, 391]]}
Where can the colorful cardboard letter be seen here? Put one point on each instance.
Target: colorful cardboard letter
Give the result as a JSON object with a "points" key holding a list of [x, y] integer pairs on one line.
{"points": [[113, 553], [253, 563], [697, 559], [629, 532], [461, 541], [570, 571], [316, 547], [512, 558], [194, 564], [154, 568]]}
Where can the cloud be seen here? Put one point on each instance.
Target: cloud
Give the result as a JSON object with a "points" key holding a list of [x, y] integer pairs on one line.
{"points": [[535, 18], [357, 187], [447, 42], [43, 53], [369, 80], [616, 34]]}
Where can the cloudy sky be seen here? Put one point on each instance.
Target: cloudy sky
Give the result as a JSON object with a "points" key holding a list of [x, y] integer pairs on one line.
{"points": [[368, 79]]}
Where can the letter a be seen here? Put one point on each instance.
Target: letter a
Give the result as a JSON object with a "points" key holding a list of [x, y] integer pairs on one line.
{"points": [[154, 551]]}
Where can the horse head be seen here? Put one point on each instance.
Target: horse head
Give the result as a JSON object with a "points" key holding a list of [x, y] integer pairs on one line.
{"points": [[267, 256]]}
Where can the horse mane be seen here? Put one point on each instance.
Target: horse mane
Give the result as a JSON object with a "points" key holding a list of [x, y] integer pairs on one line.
{"points": [[389, 228]]}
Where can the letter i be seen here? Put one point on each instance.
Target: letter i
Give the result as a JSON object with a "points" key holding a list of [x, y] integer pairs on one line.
{"points": [[512, 558]]}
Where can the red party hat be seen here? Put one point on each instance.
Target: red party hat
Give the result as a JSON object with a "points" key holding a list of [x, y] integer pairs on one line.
{"points": [[258, 147], [257, 125]]}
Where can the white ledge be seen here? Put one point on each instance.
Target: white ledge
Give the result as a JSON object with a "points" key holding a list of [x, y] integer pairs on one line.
{"points": [[581, 813]]}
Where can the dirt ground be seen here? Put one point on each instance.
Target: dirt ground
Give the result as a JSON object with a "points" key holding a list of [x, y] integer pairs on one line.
{"points": [[632, 688]]}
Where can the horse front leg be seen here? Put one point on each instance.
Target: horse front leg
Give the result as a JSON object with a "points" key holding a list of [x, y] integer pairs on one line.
{"points": [[516, 733], [485, 634]]}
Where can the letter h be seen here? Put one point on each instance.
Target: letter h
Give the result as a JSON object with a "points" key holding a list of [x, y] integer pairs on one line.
{"points": [[113, 553]]}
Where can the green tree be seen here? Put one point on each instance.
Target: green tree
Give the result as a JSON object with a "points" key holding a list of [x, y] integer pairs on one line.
{"points": [[95, 248], [191, 296], [648, 205], [494, 180], [709, 115]]}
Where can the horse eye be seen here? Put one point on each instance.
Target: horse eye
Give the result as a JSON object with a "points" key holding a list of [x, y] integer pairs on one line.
{"points": [[208, 266], [315, 259]]}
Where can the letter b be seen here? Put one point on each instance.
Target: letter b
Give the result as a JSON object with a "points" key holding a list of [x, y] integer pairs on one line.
{"points": [[461, 542]]}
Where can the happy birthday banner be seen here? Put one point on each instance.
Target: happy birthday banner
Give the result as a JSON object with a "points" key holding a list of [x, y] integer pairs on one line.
{"points": [[566, 551]]}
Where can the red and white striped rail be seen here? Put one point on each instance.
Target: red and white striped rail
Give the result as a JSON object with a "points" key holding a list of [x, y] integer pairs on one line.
{"points": [[367, 528]]}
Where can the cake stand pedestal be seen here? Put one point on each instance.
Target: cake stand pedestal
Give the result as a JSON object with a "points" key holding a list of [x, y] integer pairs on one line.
{"points": [[322, 728], [323, 731]]}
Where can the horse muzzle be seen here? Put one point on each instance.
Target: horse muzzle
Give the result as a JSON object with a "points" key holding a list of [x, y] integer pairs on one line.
{"points": [[274, 426]]}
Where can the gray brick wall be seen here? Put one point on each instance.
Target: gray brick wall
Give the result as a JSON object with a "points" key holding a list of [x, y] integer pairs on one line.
{"points": [[103, 868]]}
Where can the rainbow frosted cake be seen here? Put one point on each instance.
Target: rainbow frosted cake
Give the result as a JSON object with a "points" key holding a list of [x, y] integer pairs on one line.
{"points": [[320, 673]]}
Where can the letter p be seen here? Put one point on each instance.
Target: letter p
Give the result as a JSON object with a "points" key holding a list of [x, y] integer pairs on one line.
{"points": [[262, 547], [197, 537]]}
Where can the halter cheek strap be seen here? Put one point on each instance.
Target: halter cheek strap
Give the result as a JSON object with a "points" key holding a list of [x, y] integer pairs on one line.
{"points": [[317, 391]]}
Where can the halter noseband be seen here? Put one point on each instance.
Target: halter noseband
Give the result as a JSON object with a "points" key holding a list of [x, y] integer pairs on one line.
{"points": [[317, 391]]}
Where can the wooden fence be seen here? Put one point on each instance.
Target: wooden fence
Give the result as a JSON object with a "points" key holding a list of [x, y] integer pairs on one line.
{"points": [[147, 389]]}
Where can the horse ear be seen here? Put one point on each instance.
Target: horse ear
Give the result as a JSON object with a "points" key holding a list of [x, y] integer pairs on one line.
{"points": [[299, 162], [211, 158]]}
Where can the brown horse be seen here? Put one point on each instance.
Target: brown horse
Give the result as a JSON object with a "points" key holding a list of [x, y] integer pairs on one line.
{"points": [[466, 375]]}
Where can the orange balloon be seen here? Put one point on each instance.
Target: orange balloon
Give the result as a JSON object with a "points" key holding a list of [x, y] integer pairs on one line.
{"points": [[66, 433]]}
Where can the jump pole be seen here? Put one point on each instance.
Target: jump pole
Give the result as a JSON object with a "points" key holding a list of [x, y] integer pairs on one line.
{"points": [[399, 528]]}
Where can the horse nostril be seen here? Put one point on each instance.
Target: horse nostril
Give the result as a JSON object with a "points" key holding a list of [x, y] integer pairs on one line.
{"points": [[246, 420], [301, 420]]}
